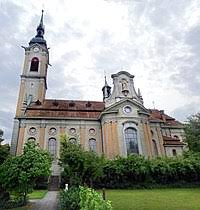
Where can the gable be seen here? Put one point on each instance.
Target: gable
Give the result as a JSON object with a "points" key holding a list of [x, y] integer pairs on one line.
{"points": [[126, 107]]}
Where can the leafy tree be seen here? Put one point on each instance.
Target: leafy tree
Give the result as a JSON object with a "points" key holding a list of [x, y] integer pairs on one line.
{"points": [[192, 133], [19, 173], [4, 152], [79, 167]]}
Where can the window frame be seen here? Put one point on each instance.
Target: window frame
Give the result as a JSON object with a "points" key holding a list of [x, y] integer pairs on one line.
{"points": [[34, 67], [53, 151], [131, 136], [93, 146]]}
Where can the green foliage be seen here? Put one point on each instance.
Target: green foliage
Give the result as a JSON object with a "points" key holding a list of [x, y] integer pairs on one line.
{"points": [[192, 133], [123, 172], [18, 174], [136, 171], [79, 167], [90, 200], [69, 199], [4, 152]]}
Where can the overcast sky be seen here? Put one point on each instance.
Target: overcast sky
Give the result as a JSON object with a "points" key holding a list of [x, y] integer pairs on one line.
{"points": [[158, 41]]}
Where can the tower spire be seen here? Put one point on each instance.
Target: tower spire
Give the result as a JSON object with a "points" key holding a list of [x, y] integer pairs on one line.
{"points": [[41, 20], [39, 38]]}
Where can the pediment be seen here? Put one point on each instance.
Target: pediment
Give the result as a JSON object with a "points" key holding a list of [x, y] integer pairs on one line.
{"points": [[114, 108]]}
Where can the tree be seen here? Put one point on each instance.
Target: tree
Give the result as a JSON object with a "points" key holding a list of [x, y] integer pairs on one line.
{"points": [[19, 173], [4, 152], [79, 167], [192, 133]]}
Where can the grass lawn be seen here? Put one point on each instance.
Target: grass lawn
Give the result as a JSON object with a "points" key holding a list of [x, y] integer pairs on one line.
{"points": [[37, 194], [155, 199]]}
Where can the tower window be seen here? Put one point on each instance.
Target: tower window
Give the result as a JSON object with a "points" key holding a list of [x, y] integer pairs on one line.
{"points": [[131, 140], [34, 64]]}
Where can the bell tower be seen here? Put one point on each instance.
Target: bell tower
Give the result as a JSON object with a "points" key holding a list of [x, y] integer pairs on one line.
{"points": [[33, 84]]}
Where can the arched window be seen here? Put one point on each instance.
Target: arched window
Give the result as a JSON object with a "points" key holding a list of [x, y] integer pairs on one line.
{"points": [[131, 141], [93, 145], [174, 152], [155, 149], [72, 140], [52, 147], [34, 64]]}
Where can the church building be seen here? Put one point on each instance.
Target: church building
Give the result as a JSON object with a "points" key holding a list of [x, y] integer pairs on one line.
{"points": [[116, 126]]}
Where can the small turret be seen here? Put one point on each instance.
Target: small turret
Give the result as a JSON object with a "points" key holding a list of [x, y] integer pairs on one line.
{"points": [[106, 90]]}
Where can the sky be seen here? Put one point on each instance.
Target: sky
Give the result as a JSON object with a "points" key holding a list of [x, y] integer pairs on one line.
{"points": [[158, 41]]}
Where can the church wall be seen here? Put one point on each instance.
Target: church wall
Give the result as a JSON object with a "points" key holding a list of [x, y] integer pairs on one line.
{"points": [[157, 136], [147, 143], [20, 139], [177, 132], [81, 130], [169, 150], [20, 97], [110, 138], [160, 139], [124, 120]]}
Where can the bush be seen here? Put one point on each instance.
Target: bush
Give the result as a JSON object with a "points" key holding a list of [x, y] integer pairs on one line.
{"points": [[80, 167], [91, 200], [69, 199], [137, 172]]}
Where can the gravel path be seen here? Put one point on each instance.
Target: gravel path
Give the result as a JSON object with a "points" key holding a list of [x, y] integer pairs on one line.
{"points": [[49, 202]]}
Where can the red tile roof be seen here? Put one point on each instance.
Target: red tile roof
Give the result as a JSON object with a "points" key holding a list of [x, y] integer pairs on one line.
{"points": [[160, 116], [168, 140], [84, 109], [65, 108]]}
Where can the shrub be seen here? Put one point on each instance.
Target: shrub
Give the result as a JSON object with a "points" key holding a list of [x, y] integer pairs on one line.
{"points": [[91, 200], [136, 171], [80, 167], [69, 199]]}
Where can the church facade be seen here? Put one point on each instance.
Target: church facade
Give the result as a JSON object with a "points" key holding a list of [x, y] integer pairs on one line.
{"points": [[117, 126]]}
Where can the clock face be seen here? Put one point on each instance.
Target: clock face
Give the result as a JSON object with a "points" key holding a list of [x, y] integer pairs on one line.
{"points": [[36, 49]]}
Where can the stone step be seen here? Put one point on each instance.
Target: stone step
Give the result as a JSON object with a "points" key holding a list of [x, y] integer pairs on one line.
{"points": [[54, 183]]}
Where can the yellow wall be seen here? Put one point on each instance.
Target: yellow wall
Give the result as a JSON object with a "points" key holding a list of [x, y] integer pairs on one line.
{"points": [[162, 151], [110, 139], [147, 136], [20, 144], [20, 98], [42, 137]]}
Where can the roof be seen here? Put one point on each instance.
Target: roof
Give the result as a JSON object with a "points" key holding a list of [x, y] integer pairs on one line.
{"points": [[52, 108], [65, 108], [159, 116], [170, 141]]}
